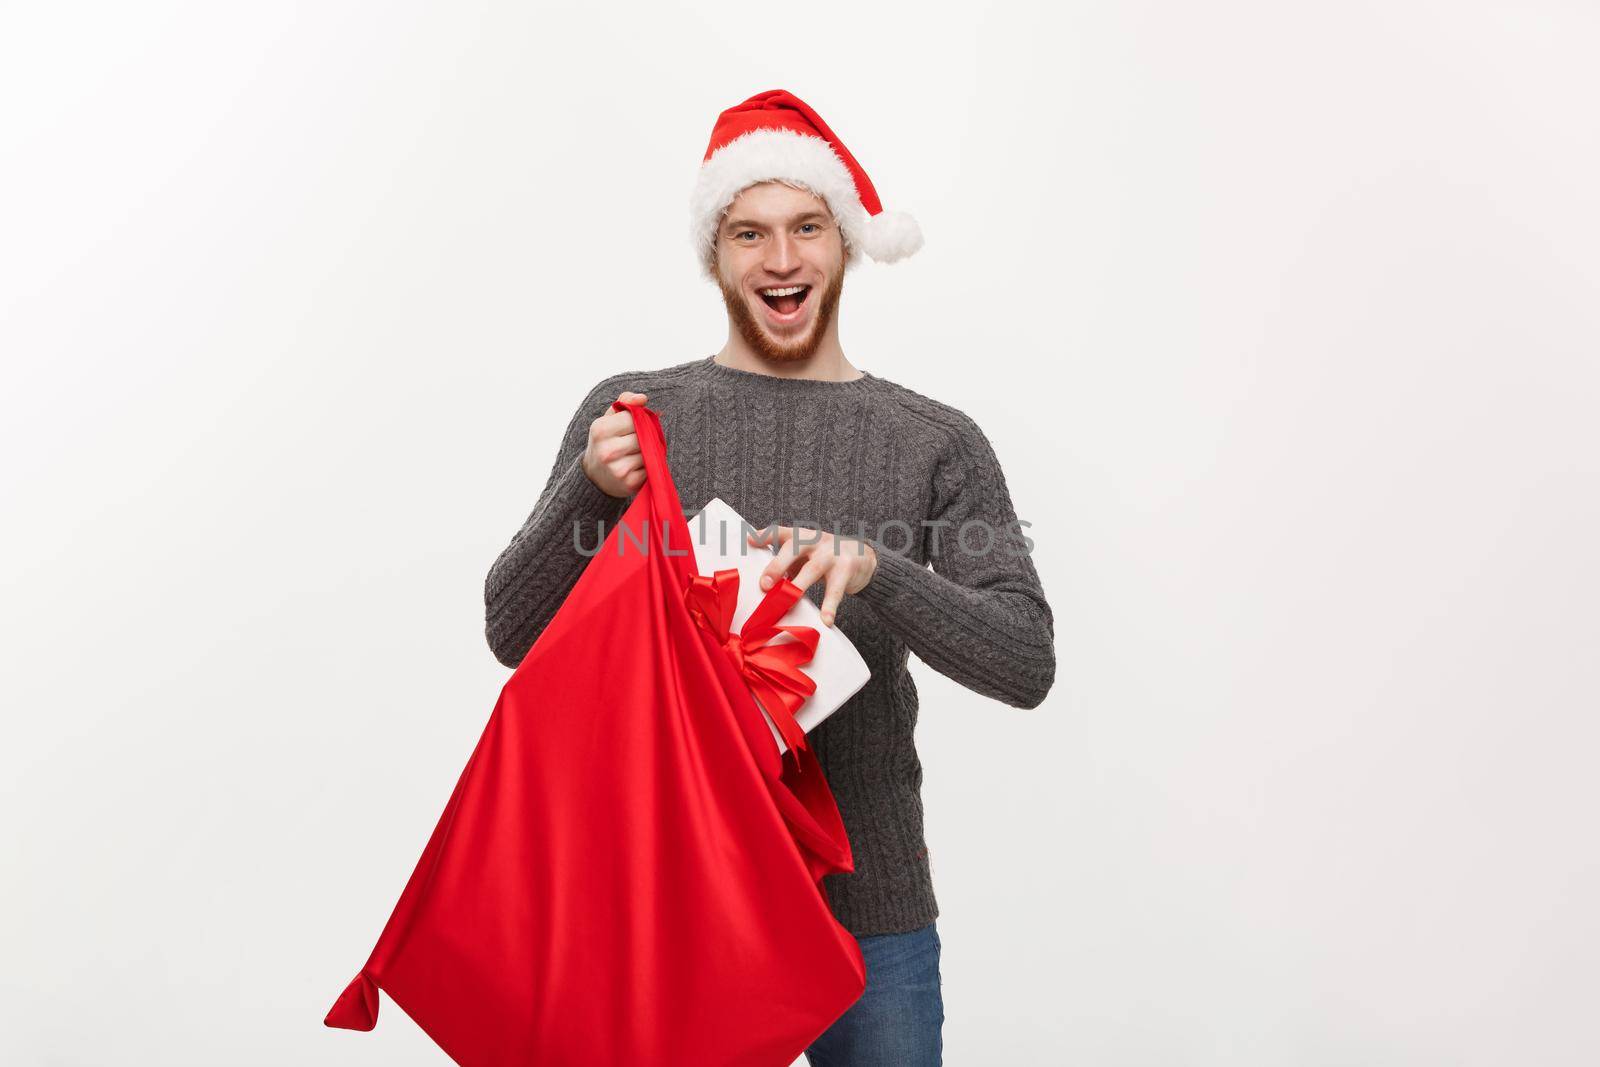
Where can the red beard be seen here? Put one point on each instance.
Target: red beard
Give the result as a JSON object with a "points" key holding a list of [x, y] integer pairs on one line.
{"points": [[763, 343]]}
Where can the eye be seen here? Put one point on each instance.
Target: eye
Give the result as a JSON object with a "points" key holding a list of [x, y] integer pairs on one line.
{"points": [[813, 225], [739, 235]]}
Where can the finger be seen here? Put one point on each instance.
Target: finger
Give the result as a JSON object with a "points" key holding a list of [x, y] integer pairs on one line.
{"points": [[782, 562], [838, 579], [618, 447], [815, 566], [773, 537], [622, 466], [628, 398], [623, 418], [611, 424]]}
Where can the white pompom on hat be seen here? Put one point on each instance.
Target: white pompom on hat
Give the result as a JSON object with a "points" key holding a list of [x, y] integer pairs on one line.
{"points": [[776, 136]]}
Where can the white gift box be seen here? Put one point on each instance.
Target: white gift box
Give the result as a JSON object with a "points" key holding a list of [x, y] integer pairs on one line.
{"points": [[837, 668]]}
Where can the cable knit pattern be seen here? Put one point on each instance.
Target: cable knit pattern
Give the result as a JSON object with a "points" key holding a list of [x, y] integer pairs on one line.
{"points": [[866, 457]]}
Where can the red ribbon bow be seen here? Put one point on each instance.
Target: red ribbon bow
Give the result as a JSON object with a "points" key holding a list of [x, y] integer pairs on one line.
{"points": [[770, 668]]}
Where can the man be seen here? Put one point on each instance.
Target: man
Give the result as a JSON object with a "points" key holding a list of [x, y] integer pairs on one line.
{"points": [[859, 483]]}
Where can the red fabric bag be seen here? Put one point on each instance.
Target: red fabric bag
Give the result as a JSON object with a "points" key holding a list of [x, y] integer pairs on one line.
{"points": [[627, 871]]}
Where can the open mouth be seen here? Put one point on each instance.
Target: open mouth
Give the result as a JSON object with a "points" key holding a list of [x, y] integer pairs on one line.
{"points": [[786, 301]]}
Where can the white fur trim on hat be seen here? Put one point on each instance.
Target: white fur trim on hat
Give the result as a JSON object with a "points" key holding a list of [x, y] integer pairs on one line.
{"points": [[770, 154]]}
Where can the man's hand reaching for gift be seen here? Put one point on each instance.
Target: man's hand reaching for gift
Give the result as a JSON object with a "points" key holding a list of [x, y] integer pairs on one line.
{"points": [[846, 564]]}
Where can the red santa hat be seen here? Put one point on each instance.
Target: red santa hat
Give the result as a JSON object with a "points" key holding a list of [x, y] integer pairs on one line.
{"points": [[776, 135]]}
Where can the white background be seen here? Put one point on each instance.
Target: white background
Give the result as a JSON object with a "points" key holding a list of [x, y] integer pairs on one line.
{"points": [[1282, 319]]}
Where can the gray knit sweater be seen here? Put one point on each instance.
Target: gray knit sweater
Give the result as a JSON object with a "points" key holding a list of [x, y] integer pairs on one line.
{"points": [[875, 458]]}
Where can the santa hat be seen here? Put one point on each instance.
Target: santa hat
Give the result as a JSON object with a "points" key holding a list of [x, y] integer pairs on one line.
{"points": [[776, 135]]}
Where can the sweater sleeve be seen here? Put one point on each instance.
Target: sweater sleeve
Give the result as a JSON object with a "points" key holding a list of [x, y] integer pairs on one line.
{"points": [[979, 616], [536, 571]]}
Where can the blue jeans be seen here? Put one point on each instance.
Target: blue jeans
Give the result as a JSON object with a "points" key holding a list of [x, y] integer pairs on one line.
{"points": [[898, 1020]]}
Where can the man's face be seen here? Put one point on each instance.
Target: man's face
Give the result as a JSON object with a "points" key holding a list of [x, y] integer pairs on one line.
{"points": [[776, 237]]}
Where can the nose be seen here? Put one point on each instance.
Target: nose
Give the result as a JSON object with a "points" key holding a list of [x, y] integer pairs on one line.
{"points": [[782, 255]]}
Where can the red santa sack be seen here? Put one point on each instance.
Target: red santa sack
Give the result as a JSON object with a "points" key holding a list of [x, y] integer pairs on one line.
{"points": [[627, 872]]}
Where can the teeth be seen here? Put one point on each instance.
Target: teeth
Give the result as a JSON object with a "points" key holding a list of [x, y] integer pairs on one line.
{"points": [[791, 291]]}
